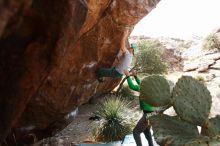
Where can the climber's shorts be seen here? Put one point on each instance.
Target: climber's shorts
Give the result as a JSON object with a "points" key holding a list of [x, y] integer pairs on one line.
{"points": [[109, 72]]}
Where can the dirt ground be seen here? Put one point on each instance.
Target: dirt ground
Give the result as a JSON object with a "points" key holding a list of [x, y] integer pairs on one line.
{"points": [[80, 130]]}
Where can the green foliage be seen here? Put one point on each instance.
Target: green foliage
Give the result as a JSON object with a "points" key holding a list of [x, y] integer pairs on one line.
{"points": [[126, 93], [211, 42], [148, 59], [114, 124], [155, 90], [192, 100], [200, 79], [173, 131], [213, 127]]}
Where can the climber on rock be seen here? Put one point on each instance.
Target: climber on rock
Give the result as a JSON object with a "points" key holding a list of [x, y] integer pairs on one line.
{"points": [[124, 60], [143, 125]]}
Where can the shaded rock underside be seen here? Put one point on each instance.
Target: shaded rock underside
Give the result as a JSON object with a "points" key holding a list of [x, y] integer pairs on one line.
{"points": [[50, 51]]}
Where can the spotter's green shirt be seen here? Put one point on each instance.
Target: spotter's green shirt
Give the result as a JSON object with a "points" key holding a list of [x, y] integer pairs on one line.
{"points": [[135, 87]]}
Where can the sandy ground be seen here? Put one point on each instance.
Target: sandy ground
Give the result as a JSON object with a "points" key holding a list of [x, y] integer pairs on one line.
{"points": [[76, 132]]}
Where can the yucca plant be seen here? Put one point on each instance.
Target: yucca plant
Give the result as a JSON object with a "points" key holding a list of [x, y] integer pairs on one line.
{"points": [[114, 124]]}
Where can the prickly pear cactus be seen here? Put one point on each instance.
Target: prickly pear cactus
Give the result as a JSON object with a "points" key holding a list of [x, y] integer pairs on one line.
{"points": [[204, 141], [173, 131], [214, 141], [155, 90], [213, 127], [192, 100], [192, 103]]}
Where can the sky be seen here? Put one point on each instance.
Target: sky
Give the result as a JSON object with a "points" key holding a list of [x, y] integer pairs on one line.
{"points": [[183, 19]]}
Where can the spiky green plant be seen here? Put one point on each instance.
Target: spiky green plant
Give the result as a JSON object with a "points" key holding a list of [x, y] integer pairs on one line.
{"points": [[155, 90], [192, 102], [114, 124], [213, 127], [173, 131]]}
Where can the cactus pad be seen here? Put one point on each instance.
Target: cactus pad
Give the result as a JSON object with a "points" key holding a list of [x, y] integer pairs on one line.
{"points": [[204, 141], [155, 90], [214, 141], [213, 127], [192, 100], [173, 131]]}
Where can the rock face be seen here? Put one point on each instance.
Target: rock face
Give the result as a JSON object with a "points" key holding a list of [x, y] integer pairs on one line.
{"points": [[50, 51]]}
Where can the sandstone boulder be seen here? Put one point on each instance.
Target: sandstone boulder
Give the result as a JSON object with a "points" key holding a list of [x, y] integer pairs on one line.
{"points": [[50, 51]]}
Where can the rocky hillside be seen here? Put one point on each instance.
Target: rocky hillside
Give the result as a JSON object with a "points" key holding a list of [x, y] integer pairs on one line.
{"points": [[194, 58], [50, 50], [197, 61]]}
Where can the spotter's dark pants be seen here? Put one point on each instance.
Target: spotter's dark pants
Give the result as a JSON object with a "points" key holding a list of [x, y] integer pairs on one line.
{"points": [[142, 126]]}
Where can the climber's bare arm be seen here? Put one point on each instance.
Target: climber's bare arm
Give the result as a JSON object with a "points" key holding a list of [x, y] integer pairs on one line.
{"points": [[123, 41]]}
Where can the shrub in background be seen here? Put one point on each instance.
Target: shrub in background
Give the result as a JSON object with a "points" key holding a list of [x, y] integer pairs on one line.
{"points": [[185, 45], [114, 123], [211, 42], [148, 59]]}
